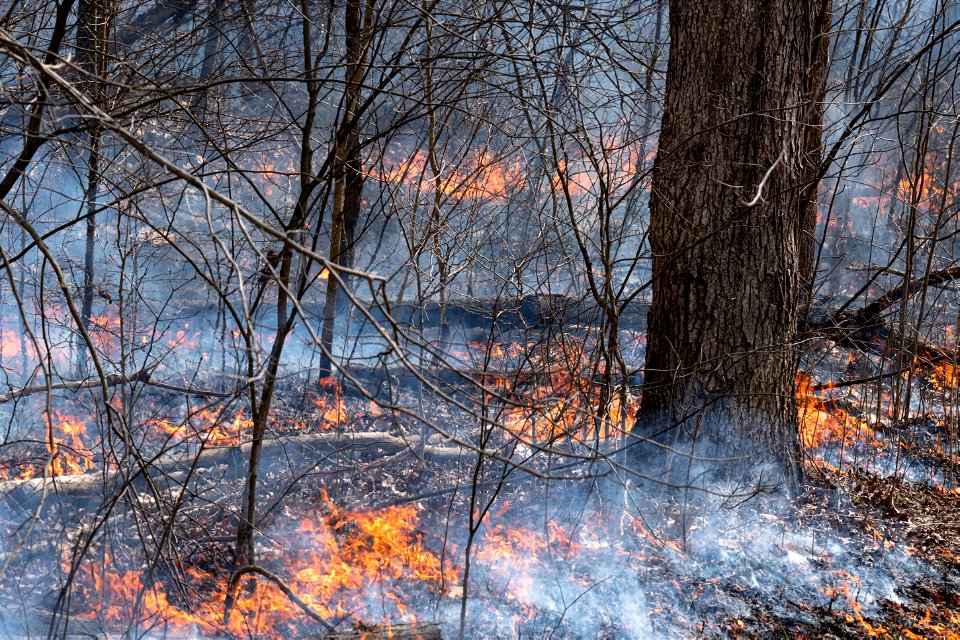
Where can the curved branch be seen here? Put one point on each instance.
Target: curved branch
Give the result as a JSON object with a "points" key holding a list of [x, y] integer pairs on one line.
{"points": [[272, 577]]}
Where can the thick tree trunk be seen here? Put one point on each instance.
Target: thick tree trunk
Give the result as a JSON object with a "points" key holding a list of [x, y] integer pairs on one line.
{"points": [[732, 231]]}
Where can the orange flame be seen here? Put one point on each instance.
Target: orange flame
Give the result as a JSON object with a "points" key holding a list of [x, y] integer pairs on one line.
{"points": [[479, 178], [340, 559], [821, 424]]}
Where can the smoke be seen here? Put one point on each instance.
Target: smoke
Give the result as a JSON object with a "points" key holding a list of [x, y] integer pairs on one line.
{"points": [[557, 561], [704, 566]]}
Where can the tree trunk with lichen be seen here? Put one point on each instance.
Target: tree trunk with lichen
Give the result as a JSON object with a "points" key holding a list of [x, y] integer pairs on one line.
{"points": [[732, 222]]}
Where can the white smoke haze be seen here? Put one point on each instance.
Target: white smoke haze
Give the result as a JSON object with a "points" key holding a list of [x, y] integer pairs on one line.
{"points": [[488, 340]]}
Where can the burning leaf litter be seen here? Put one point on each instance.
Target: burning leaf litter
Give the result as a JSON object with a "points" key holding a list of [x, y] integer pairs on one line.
{"points": [[582, 565]]}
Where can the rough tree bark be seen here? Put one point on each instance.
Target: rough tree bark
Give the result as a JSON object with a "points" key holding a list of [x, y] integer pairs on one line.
{"points": [[733, 216]]}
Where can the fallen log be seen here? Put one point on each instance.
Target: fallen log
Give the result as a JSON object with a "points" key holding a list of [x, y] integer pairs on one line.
{"points": [[416, 631], [309, 449], [384, 384], [539, 312], [476, 316]]}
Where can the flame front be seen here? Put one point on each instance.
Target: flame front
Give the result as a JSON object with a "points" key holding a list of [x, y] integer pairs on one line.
{"points": [[339, 563]]}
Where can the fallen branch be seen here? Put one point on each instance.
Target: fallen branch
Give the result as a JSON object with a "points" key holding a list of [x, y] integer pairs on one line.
{"points": [[73, 385], [852, 383], [188, 390], [862, 325], [870, 314], [142, 376], [169, 466]]}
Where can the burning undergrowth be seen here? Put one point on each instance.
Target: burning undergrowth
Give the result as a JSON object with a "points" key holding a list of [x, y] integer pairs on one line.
{"points": [[563, 572], [892, 424], [369, 519]]}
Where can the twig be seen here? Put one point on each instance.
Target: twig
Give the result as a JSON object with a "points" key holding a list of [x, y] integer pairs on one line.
{"points": [[187, 390]]}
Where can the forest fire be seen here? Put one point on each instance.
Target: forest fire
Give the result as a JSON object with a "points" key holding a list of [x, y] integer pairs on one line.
{"points": [[11, 344], [69, 455], [480, 178], [208, 426], [555, 391], [945, 376], [822, 425], [330, 403], [67, 447], [382, 566], [69, 444], [366, 564], [334, 563], [635, 319], [393, 566]]}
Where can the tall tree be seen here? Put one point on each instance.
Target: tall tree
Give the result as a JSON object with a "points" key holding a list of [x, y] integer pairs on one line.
{"points": [[347, 170], [93, 19], [733, 216]]}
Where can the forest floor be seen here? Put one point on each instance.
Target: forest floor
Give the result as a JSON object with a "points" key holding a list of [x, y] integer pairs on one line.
{"points": [[377, 534]]}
